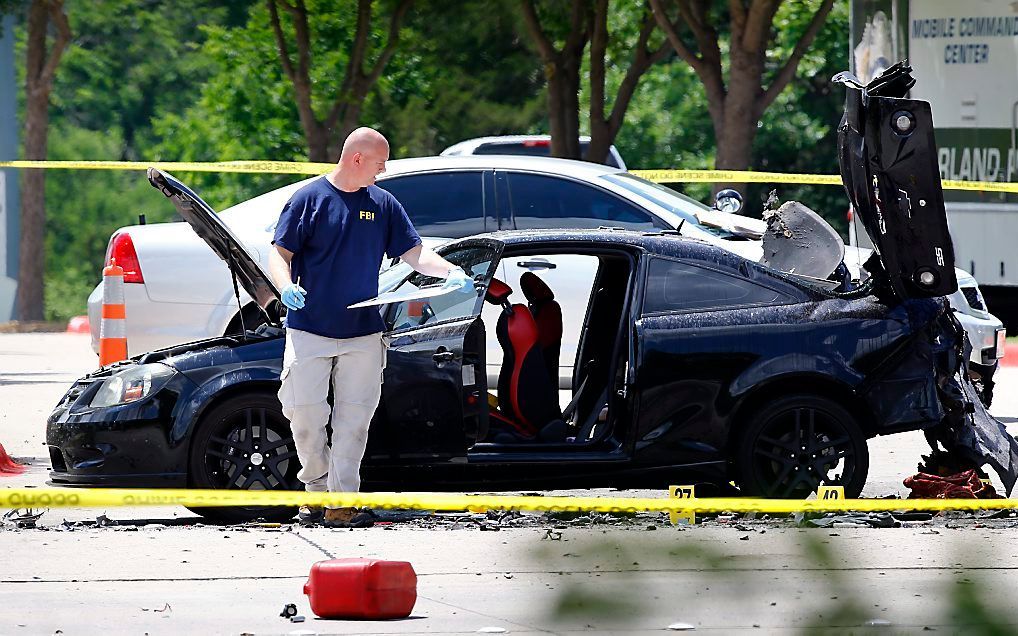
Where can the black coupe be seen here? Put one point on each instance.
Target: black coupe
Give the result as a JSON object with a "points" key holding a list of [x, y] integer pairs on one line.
{"points": [[693, 364]]}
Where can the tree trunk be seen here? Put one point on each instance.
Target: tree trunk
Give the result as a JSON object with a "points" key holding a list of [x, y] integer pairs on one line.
{"points": [[40, 66], [556, 112], [318, 143], [562, 72], [31, 261], [605, 126], [738, 112], [563, 112], [570, 91]]}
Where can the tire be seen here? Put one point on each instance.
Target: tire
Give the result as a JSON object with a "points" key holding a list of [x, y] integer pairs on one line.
{"points": [[227, 452], [796, 443]]}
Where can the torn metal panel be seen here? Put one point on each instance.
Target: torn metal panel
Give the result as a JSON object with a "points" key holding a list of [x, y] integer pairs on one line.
{"points": [[967, 429], [971, 431], [799, 241]]}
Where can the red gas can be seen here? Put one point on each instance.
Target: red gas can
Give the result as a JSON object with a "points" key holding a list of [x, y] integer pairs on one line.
{"points": [[362, 588]]}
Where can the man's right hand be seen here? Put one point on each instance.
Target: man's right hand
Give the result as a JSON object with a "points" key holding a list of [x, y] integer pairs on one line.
{"points": [[293, 296]]}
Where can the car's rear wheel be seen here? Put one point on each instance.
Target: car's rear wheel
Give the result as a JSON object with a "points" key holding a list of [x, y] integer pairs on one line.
{"points": [[245, 443], [797, 443]]}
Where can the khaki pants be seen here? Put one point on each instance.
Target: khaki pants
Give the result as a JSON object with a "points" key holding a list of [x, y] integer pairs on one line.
{"points": [[354, 367]]}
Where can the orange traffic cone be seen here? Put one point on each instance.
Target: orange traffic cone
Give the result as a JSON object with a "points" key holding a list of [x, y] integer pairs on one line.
{"points": [[7, 465], [113, 328]]}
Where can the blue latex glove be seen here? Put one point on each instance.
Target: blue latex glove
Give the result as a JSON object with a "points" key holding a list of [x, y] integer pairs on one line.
{"points": [[457, 278], [293, 296]]}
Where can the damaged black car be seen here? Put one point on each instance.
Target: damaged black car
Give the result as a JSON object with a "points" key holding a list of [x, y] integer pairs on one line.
{"points": [[692, 364]]}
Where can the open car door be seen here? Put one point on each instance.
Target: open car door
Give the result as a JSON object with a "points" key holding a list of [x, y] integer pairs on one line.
{"points": [[434, 397], [888, 159]]}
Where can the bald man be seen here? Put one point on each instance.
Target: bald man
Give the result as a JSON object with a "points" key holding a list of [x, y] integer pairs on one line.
{"points": [[331, 237]]}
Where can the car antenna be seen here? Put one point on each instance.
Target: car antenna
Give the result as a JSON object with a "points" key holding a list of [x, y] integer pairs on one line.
{"points": [[678, 230], [232, 263]]}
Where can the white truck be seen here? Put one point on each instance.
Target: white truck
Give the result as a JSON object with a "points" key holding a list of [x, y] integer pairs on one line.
{"points": [[965, 61]]}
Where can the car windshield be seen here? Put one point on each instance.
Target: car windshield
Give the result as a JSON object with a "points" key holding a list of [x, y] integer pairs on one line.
{"points": [[667, 198]]}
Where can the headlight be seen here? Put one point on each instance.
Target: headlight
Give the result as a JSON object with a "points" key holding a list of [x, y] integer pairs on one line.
{"points": [[132, 384]]}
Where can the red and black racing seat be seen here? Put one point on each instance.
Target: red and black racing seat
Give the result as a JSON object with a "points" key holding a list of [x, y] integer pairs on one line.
{"points": [[548, 316], [527, 397]]}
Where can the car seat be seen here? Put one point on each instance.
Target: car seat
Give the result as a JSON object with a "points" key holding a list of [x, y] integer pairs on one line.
{"points": [[548, 316], [527, 397]]}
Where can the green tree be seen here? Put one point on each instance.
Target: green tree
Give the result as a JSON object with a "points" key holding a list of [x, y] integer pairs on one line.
{"points": [[343, 104], [638, 58], [560, 38], [132, 59], [462, 73], [85, 208], [669, 124], [128, 61], [42, 58], [741, 73], [561, 41]]}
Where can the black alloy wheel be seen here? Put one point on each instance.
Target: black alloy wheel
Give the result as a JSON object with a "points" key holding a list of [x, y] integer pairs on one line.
{"points": [[797, 443], [245, 443]]}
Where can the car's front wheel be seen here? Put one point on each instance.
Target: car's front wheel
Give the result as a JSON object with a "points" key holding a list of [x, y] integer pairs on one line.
{"points": [[797, 443], [245, 443]]}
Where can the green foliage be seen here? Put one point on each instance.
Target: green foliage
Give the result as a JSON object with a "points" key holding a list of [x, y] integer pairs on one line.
{"points": [[132, 59], [668, 125], [201, 80], [84, 207], [463, 73], [244, 110], [799, 131]]}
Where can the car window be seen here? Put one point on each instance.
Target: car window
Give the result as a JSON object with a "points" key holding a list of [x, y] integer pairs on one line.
{"points": [[540, 201], [462, 303], [665, 197], [680, 286], [570, 277], [441, 204]]}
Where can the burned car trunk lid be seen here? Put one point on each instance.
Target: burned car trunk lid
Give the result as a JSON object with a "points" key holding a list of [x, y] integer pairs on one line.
{"points": [[888, 159], [221, 239]]}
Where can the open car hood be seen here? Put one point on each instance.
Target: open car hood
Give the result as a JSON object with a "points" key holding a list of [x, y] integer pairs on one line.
{"points": [[888, 160], [224, 243]]}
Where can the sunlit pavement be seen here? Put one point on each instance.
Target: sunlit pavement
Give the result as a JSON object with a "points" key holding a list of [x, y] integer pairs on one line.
{"points": [[161, 570]]}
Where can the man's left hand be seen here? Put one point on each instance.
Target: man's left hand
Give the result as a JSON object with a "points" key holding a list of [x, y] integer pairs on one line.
{"points": [[457, 278]]}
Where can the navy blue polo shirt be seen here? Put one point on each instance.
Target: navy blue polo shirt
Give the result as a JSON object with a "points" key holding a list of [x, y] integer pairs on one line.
{"points": [[338, 239]]}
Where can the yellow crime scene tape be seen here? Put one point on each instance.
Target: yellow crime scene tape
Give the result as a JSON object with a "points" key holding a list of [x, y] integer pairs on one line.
{"points": [[115, 497], [660, 176], [269, 167]]}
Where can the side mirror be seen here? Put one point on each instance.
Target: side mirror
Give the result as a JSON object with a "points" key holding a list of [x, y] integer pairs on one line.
{"points": [[728, 201]]}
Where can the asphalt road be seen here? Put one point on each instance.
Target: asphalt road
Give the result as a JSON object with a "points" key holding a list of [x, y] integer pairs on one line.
{"points": [[163, 570]]}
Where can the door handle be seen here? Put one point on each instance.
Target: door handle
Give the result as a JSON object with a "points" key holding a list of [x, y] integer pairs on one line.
{"points": [[536, 264], [442, 355]]}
